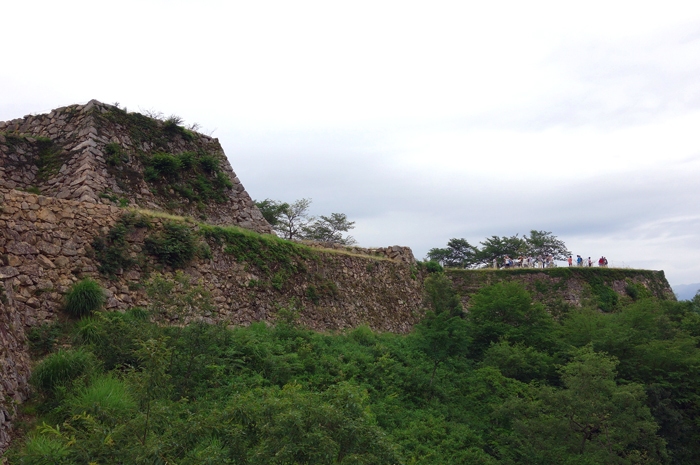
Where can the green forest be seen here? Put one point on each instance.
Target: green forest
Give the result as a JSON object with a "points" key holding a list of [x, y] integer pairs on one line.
{"points": [[501, 383]]}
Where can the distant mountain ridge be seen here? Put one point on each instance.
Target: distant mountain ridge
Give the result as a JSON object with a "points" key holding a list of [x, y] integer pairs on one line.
{"points": [[685, 291]]}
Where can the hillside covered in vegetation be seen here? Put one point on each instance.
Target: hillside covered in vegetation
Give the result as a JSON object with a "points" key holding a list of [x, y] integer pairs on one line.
{"points": [[505, 383]]}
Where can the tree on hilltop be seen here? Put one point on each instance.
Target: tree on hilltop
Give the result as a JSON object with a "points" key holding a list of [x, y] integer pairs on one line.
{"points": [[459, 253], [543, 243], [495, 247]]}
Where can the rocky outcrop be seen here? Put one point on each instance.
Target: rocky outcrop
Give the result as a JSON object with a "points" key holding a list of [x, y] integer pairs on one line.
{"points": [[95, 153]]}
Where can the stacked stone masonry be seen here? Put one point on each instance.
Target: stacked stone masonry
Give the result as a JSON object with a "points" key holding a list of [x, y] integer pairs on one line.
{"points": [[62, 154]]}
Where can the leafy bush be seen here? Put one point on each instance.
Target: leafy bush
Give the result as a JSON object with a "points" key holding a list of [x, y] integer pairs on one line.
{"points": [[165, 164], [607, 298], [433, 267], [43, 338], [637, 291], [84, 297], [174, 245], [194, 176], [111, 250], [61, 368], [187, 160], [209, 163]]}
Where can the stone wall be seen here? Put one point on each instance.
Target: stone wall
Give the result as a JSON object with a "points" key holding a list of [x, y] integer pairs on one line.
{"points": [[14, 364], [63, 154], [561, 289], [46, 247]]}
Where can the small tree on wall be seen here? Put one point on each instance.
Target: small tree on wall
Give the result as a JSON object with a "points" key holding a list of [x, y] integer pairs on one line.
{"points": [[293, 222]]}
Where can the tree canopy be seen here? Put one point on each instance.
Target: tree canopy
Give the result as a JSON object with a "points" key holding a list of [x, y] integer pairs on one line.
{"points": [[459, 253], [294, 222]]}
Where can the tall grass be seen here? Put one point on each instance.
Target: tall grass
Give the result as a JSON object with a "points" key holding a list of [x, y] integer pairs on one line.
{"points": [[61, 368], [107, 399], [84, 297]]}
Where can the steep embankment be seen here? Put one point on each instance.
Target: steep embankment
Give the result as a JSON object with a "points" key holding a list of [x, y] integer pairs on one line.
{"points": [[561, 289]]}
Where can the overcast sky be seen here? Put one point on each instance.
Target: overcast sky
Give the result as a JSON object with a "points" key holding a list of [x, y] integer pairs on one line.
{"points": [[421, 121]]}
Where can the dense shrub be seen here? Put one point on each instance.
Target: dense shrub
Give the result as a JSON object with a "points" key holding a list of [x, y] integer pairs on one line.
{"points": [[209, 163], [111, 250], [433, 267], [174, 246], [84, 297], [61, 368], [165, 164], [194, 176]]}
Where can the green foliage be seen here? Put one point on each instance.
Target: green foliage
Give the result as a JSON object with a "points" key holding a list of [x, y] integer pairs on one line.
{"points": [[178, 297], [44, 450], [83, 298], [520, 362], [505, 310], [112, 251], [637, 291], [495, 247], [592, 419], [543, 244], [173, 125], [505, 385], [174, 246], [293, 221], [115, 155], [268, 254], [439, 296], [51, 158], [606, 297], [330, 229], [271, 210], [458, 254], [196, 176], [106, 398], [42, 339], [61, 368], [165, 164], [209, 164], [433, 267]]}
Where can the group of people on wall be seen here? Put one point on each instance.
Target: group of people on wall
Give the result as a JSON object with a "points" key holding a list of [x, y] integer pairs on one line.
{"points": [[526, 262], [546, 262], [580, 261]]}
